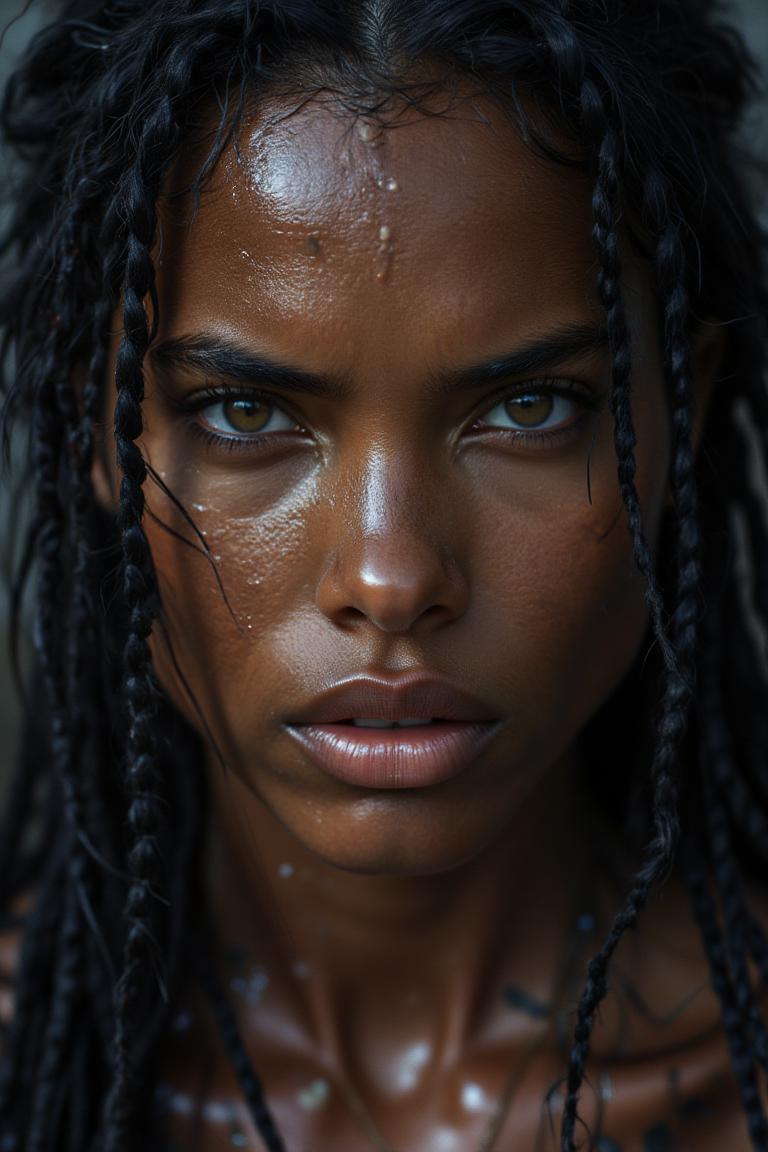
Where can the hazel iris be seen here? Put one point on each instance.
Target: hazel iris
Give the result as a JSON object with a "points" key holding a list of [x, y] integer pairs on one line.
{"points": [[530, 410], [246, 415]]}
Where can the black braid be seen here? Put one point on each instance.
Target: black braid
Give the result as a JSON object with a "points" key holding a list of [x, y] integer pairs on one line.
{"points": [[49, 466], [706, 917], [730, 948], [233, 1042], [140, 591], [71, 952], [65, 999], [680, 663], [740, 791]]}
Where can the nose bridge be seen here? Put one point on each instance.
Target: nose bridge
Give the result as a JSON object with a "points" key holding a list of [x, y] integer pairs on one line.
{"points": [[388, 560], [389, 497]]}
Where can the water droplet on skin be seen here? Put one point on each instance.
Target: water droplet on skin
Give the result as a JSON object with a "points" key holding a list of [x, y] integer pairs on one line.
{"points": [[176, 1102], [195, 507], [411, 1065], [392, 185], [203, 532], [447, 1140], [220, 1112], [285, 871], [254, 581], [314, 1096], [385, 233], [217, 557], [367, 131], [606, 1087], [473, 1099], [252, 987]]}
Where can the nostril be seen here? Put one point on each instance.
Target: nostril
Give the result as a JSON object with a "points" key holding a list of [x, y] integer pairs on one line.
{"points": [[392, 583]]}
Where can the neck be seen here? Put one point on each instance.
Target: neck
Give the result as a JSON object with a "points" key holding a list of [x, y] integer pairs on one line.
{"points": [[411, 961]]}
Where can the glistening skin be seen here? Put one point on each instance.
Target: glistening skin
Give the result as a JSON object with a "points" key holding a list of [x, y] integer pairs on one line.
{"points": [[376, 509]]}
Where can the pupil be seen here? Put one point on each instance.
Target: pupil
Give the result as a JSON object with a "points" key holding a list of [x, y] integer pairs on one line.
{"points": [[246, 415], [530, 410]]}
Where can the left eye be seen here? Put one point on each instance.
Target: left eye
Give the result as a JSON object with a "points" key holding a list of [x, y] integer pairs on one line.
{"points": [[245, 416], [531, 412]]}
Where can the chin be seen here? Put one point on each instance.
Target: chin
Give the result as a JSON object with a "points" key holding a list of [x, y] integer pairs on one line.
{"points": [[405, 836]]}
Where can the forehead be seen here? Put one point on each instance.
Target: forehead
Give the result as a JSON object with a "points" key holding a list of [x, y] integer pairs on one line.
{"points": [[318, 217]]}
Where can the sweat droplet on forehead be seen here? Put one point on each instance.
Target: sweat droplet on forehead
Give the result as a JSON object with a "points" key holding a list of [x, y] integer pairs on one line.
{"points": [[369, 133]]}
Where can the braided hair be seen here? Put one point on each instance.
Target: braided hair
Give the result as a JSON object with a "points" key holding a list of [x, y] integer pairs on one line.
{"points": [[97, 112]]}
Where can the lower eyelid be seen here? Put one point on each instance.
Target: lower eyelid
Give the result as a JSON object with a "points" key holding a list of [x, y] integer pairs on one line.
{"points": [[250, 444]]}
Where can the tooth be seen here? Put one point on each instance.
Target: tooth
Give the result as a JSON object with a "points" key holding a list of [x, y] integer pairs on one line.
{"points": [[372, 724]]}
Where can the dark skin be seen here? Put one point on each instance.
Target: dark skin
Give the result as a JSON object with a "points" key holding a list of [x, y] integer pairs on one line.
{"points": [[385, 522]]}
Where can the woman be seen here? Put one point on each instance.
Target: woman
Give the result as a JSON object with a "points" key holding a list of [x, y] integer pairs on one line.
{"points": [[394, 765]]}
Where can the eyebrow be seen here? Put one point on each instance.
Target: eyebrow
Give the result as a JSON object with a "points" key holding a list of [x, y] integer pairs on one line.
{"points": [[222, 357]]}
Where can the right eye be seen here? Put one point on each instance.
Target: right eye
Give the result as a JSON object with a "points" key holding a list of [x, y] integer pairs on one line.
{"points": [[243, 417]]}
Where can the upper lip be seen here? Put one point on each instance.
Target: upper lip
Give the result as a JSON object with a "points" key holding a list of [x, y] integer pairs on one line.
{"points": [[379, 698]]}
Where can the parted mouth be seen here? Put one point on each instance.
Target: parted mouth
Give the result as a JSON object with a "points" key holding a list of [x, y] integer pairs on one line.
{"points": [[414, 701], [411, 722]]}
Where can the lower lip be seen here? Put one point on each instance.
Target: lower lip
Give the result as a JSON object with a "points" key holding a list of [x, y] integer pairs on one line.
{"points": [[394, 757]]}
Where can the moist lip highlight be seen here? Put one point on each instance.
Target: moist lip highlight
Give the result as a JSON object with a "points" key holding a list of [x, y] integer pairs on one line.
{"points": [[392, 758]]}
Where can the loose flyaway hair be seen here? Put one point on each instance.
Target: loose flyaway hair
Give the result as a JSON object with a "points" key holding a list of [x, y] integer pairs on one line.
{"points": [[649, 96]]}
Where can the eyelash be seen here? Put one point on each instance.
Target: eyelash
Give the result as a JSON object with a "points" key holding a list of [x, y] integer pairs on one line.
{"points": [[545, 386], [233, 443], [555, 386]]}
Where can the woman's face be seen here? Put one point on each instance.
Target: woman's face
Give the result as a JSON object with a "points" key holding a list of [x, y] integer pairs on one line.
{"points": [[379, 389]]}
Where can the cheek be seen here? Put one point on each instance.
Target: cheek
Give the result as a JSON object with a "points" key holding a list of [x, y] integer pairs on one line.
{"points": [[584, 620], [221, 601], [557, 576]]}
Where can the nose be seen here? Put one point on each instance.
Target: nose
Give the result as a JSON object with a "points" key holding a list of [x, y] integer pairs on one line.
{"points": [[389, 563]]}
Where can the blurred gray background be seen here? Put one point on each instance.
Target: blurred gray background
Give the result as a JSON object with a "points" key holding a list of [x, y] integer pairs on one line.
{"points": [[20, 20]]}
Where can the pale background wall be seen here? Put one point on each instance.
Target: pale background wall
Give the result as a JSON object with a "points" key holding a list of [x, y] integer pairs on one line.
{"points": [[752, 15]]}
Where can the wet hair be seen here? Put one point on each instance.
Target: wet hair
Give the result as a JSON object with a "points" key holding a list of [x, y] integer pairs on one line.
{"points": [[101, 837]]}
